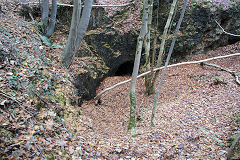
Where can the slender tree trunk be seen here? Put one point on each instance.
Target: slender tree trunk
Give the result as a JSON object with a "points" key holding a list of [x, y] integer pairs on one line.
{"points": [[133, 100], [149, 86], [45, 10], [78, 28], [164, 37], [147, 45], [166, 64], [82, 28], [52, 18], [70, 46], [174, 15]]}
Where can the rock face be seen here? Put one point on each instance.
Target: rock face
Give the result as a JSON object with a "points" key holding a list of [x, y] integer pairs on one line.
{"points": [[111, 51], [113, 48], [199, 33]]}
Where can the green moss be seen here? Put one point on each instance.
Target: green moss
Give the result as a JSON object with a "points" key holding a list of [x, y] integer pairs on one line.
{"points": [[50, 157], [132, 119], [60, 98]]}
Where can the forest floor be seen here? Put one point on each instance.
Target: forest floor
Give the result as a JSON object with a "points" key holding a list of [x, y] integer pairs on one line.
{"points": [[194, 117], [196, 113]]}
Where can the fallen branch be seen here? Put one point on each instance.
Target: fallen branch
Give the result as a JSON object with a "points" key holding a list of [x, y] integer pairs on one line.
{"points": [[225, 31], [69, 5], [156, 69], [224, 69]]}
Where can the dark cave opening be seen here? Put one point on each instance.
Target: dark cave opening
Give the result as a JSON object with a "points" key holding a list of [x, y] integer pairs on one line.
{"points": [[124, 69]]}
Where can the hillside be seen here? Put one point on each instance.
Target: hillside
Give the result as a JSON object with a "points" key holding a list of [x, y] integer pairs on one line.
{"points": [[40, 118]]}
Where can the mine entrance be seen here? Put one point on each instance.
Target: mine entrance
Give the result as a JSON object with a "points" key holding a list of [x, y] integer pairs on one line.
{"points": [[124, 69]]}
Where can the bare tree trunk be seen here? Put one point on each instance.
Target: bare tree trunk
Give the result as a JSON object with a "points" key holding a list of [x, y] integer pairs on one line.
{"points": [[78, 28], [147, 45], [45, 8], [166, 64], [70, 46], [133, 100], [82, 28], [164, 37], [153, 59], [52, 19]]}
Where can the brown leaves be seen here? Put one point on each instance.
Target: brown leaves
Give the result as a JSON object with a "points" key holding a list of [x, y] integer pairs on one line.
{"points": [[187, 103]]}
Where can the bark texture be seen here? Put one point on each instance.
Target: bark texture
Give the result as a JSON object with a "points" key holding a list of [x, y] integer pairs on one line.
{"points": [[44, 16], [133, 100], [52, 22], [147, 46], [78, 28]]}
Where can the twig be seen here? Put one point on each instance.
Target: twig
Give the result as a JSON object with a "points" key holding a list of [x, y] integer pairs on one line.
{"points": [[30, 14], [224, 69], [156, 69], [16, 144], [225, 31], [10, 97]]}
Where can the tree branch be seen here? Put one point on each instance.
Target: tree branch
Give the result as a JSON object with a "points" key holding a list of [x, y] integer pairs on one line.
{"points": [[69, 5], [156, 69], [227, 70], [225, 31]]}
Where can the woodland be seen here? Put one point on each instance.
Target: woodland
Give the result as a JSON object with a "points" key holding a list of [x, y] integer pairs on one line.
{"points": [[119, 79]]}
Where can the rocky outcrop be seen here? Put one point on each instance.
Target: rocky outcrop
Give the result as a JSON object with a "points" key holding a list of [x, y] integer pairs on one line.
{"points": [[113, 48], [199, 33]]}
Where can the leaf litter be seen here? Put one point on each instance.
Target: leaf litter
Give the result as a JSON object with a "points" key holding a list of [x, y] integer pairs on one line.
{"points": [[194, 118]]}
